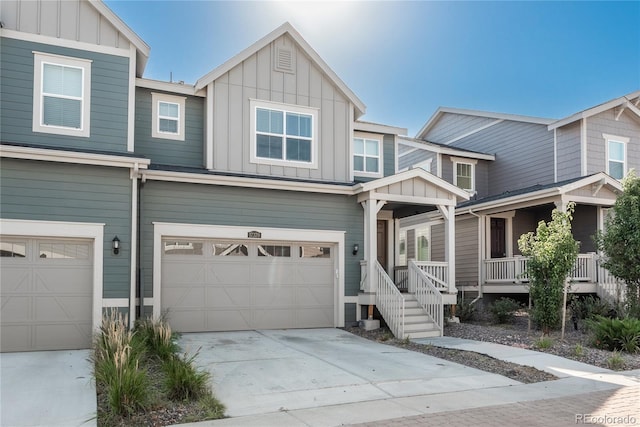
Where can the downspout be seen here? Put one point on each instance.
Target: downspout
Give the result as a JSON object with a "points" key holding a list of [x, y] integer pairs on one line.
{"points": [[140, 275]]}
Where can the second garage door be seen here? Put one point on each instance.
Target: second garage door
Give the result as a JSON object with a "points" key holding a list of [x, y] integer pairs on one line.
{"points": [[221, 285], [46, 292]]}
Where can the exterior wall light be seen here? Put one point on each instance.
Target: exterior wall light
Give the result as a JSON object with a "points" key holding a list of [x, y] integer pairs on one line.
{"points": [[115, 244], [356, 248]]}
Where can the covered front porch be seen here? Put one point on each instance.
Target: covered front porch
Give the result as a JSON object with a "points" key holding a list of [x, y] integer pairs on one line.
{"points": [[413, 304], [501, 268]]}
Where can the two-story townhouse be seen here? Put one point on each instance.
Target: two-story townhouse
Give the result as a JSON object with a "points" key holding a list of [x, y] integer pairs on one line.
{"points": [[68, 171], [538, 165], [255, 198]]}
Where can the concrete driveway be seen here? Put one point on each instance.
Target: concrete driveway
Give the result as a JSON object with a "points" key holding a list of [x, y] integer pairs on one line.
{"points": [[260, 372], [47, 388]]}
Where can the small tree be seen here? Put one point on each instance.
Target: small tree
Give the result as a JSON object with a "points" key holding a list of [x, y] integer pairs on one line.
{"points": [[620, 241], [553, 252]]}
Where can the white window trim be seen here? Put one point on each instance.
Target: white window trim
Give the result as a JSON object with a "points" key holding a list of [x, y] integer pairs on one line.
{"points": [[619, 139], [156, 99], [370, 137], [39, 59], [472, 163], [254, 104]]}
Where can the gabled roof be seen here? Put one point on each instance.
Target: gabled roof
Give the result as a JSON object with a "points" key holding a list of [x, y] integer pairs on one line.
{"points": [[408, 175], [539, 191], [288, 29], [624, 101], [444, 149], [498, 116], [142, 49]]}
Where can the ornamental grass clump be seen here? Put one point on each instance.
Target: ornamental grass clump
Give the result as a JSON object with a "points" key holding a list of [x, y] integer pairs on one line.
{"points": [[183, 380], [116, 359], [158, 337]]}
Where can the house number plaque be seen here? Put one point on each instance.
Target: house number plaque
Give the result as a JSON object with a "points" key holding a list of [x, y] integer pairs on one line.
{"points": [[254, 235]]}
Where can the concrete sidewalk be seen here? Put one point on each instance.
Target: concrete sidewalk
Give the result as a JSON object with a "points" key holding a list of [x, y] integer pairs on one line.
{"points": [[417, 399]]}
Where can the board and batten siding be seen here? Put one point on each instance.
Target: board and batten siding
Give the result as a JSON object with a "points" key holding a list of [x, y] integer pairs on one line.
{"points": [[307, 86], [69, 20], [109, 97], [568, 149], [627, 126], [450, 126], [218, 205], [167, 151], [44, 191]]}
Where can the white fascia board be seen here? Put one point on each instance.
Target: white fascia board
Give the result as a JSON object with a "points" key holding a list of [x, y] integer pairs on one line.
{"points": [[183, 89], [29, 153], [451, 151], [594, 110], [488, 114], [285, 28], [234, 181], [410, 174], [142, 47], [540, 194], [378, 128]]}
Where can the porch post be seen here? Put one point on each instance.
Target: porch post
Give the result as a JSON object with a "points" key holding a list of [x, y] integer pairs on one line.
{"points": [[371, 252], [450, 245]]}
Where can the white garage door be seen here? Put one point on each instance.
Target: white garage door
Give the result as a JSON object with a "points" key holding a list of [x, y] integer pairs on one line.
{"points": [[46, 294], [216, 285]]}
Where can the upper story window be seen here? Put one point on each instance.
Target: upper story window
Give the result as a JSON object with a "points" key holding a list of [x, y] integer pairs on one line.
{"points": [[367, 159], [61, 95], [284, 135], [168, 116], [464, 173], [616, 155]]}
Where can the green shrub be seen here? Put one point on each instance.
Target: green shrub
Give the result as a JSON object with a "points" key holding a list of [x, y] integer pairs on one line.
{"points": [[544, 343], [158, 337], [615, 362], [502, 310], [465, 311], [184, 380], [589, 307], [616, 334]]}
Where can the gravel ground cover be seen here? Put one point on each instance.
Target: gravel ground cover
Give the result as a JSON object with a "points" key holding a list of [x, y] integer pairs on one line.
{"points": [[576, 345]]}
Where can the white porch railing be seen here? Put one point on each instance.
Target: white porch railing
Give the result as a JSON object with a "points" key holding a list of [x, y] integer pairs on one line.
{"points": [[513, 269], [421, 284], [438, 270], [389, 301], [609, 287]]}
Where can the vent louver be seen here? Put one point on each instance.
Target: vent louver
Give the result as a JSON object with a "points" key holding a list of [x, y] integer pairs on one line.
{"points": [[284, 59]]}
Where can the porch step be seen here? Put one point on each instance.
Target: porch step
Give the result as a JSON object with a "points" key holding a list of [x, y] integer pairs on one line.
{"points": [[417, 324]]}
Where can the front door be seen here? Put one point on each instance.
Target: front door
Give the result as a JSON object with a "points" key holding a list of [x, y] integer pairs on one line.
{"points": [[498, 244], [382, 244]]}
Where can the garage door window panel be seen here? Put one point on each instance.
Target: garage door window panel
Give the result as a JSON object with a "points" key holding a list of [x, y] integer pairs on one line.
{"points": [[230, 249], [314, 251], [183, 248], [274, 251], [13, 249]]}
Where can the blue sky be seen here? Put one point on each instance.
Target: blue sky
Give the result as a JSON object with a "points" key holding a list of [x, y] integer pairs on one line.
{"points": [[405, 59]]}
